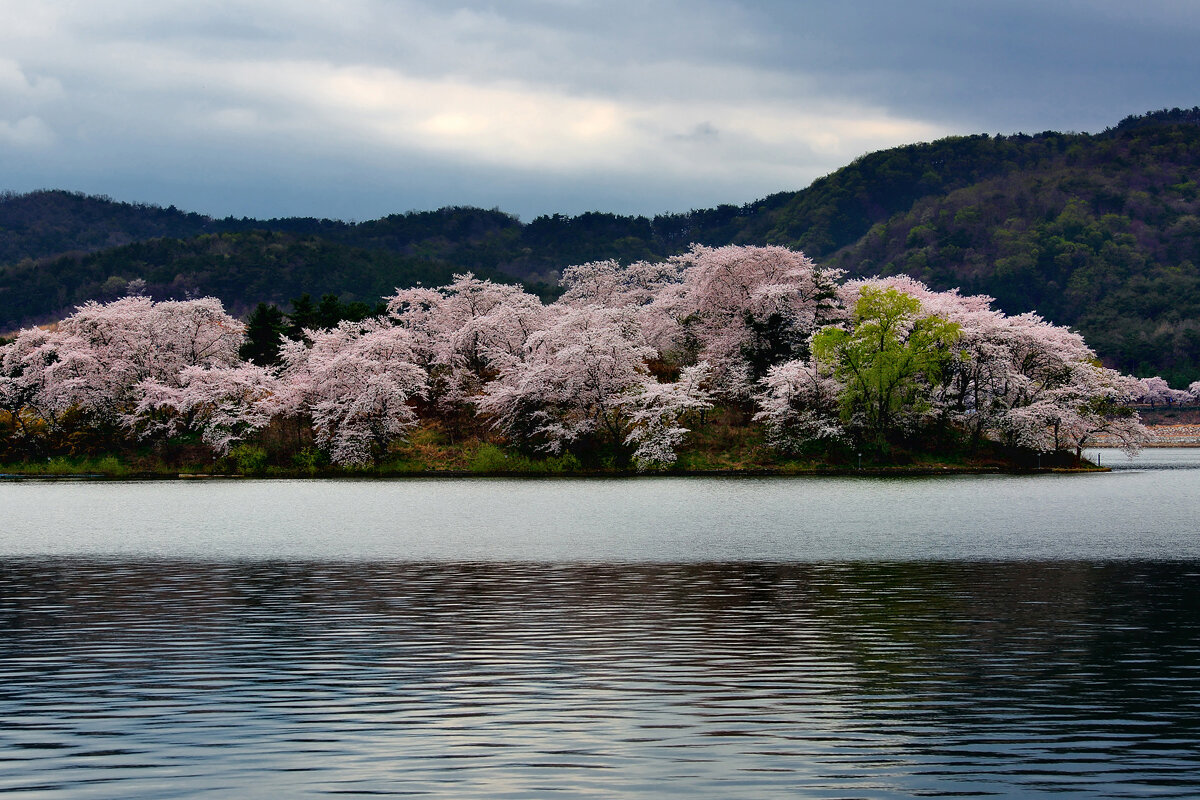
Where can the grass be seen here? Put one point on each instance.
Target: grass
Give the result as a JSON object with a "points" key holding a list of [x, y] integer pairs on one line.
{"points": [[724, 444], [108, 466], [489, 459]]}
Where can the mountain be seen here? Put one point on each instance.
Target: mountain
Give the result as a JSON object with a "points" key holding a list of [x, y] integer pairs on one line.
{"points": [[1097, 231]]}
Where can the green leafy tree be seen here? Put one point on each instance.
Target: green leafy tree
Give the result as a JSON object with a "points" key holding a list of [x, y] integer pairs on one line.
{"points": [[889, 358]]}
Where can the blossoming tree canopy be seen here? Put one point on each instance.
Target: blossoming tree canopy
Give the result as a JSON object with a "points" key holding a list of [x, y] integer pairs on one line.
{"points": [[1155, 391], [1018, 380], [224, 404], [97, 357], [749, 308], [461, 332], [356, 382], [571, 379]]}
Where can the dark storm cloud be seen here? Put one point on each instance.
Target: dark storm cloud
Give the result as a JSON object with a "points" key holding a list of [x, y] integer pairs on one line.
{"points": [[998, 66]]}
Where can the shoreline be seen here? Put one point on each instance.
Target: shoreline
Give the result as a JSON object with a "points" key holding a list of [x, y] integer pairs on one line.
{"points": [[870, 472], [1181, 435]]}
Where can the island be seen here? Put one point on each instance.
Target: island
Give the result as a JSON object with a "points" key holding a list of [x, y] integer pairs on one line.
{"points": [[735, 359]]}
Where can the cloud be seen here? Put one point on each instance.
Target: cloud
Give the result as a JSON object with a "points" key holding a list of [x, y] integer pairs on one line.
{"points": [[26, 132], [518, 125], [645, 106], [16, 85], [995, 66]]}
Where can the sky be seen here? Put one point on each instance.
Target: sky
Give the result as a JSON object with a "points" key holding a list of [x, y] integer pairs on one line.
{"points": [[354, 109]]}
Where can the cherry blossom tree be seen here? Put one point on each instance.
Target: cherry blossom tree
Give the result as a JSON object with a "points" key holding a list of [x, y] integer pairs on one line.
{"points": [[106, 350], [92, 365], [357, 382], [1052, 393], [460, 330], [570, 380], [585, 376], [608, 284], [655, 413], [24, 386], [1156, 391], [799, 404], [745, 309], [1090, 401], [223, 404]]}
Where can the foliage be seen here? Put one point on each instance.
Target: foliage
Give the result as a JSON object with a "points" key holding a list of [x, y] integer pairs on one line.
{"points": [[492, 460], [244, 269], [250, 459], [489, 459], [47, 223], [265, 329], [625, 369], [983, 376], [309, 460], [1099, 232], [888, 359], [106, 466]]}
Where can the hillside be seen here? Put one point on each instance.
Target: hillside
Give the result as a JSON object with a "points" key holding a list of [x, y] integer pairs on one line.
{"points": [[240, 268], [1101, 232]]}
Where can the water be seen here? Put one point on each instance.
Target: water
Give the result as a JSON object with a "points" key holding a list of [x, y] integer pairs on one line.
{"points": [[830, 638]]}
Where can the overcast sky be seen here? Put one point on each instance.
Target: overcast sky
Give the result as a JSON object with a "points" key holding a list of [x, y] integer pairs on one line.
{"points": [[359, 108]]}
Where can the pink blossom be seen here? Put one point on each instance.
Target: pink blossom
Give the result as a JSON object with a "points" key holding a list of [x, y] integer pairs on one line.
{"points": [[223, 404], [357, 383]]}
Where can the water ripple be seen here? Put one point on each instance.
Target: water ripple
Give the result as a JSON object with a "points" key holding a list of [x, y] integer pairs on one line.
{"points": [[159, 678]]}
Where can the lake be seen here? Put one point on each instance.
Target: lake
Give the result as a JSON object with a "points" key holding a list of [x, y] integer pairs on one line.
{"points": [[828, 637]]}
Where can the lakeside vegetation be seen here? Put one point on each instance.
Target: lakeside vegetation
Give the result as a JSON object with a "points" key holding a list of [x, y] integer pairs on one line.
{"points": [[430, 452], [733, 359]]}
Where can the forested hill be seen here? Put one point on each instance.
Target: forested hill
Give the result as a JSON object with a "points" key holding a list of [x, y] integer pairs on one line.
{"points": [[1099, 231]]}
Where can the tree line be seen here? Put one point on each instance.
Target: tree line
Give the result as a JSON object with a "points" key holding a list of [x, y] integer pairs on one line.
{"points": [[625, 366]]}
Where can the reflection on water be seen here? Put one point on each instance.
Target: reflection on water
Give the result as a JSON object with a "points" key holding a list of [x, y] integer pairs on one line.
{"points": [[1149, 458], [177, 678]]}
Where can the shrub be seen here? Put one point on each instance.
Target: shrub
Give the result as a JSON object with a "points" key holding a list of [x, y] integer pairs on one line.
{"points": [[309, 460], [250, 459], [488, 459]]}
